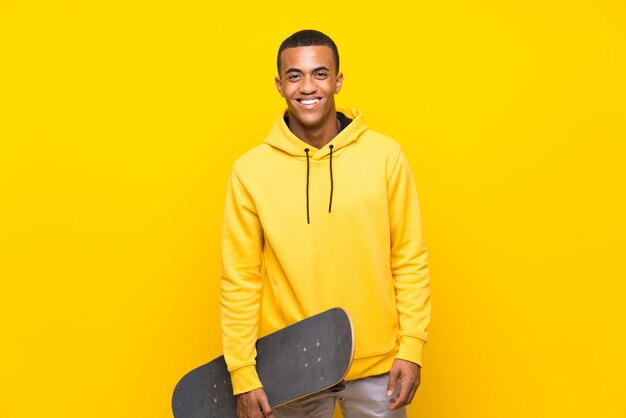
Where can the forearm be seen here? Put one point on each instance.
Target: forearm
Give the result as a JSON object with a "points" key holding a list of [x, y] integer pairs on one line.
{"points": [[413, 306], [239, 321]]}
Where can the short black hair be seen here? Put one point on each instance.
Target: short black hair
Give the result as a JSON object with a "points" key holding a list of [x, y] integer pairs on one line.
{"points": [[308, 37]]}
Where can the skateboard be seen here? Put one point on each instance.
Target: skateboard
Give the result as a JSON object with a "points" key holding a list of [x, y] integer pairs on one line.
{"points": [[304, 358]]}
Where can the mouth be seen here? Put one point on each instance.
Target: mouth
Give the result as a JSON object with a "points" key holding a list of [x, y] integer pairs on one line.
{"points": [[309, 102]]}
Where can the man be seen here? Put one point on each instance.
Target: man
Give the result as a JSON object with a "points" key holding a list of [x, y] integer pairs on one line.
{"points": [[324, 213]]}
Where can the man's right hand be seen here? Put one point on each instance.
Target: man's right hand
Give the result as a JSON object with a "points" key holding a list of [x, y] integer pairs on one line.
{"points": [[253, 404]]}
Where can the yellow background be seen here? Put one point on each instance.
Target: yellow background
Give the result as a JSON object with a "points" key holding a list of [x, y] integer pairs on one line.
{"points": [[119, 123]]}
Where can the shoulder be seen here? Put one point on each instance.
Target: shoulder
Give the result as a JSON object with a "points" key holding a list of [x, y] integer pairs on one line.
{"points": [[252, 159], [381, 143], [388, 151]]}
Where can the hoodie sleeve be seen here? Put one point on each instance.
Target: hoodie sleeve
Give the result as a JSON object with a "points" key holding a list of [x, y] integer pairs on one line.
{"points": [[240, 296], [408, 261]]}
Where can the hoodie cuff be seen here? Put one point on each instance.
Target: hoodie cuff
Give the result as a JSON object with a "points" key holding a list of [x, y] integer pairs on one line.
{"points": [[245, 379], [411, 349]]}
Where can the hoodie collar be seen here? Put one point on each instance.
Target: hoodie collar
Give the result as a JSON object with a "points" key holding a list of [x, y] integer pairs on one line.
{"points": [[282, 138]]}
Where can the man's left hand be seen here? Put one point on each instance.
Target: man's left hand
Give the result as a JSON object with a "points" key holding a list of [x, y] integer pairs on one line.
{"points": [[408, 373]]}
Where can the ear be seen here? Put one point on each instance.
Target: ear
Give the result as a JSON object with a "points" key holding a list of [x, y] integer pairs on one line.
{"points": [[338, 82], [279, 86]]}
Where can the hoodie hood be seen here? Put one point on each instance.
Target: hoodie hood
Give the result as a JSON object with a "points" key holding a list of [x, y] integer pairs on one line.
{"points": [[283, 139]]}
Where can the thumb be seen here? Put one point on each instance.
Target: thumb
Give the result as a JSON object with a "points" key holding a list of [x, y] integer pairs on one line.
{"points": [[391, 386], [265, 407]]}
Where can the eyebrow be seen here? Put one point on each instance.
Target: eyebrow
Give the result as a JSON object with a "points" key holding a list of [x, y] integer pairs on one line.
{"points": [[297, 70]]}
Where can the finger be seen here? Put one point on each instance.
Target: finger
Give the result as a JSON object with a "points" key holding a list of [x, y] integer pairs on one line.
{"points": [[412, 394], [391, 386], [265, 406], [405, 390], [416, 385]]}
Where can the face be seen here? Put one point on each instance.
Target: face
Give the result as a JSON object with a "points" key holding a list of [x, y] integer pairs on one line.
{"points": [[308, 82]]}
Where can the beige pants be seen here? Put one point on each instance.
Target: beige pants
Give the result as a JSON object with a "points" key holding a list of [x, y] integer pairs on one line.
{"points": [[361, 398]]}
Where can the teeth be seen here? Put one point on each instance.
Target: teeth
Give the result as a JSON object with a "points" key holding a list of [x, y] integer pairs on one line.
{"points": [[308, 102]]}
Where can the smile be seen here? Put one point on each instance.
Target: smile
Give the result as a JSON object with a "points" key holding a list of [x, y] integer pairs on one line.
{"points": [[308, 101]]}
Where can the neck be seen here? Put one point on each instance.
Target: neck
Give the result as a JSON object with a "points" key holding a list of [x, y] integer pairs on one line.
{"points": [[316, 136]]}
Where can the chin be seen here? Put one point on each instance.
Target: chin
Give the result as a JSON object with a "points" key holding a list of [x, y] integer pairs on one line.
{"points": [[309, 121]]}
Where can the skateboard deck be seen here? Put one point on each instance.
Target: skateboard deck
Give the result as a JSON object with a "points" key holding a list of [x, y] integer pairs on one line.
{"points": [[304, 358]]}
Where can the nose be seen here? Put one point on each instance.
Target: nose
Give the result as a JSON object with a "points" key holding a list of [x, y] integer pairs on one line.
{"points": [[308, 86]]}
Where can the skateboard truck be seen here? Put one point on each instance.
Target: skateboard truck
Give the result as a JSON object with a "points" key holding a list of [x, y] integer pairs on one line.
{"points": [[338, 387]]}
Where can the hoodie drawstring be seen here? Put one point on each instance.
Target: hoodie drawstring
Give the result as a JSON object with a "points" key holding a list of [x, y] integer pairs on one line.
{"points": [[308, 171], [330, 204], [308, 220]]}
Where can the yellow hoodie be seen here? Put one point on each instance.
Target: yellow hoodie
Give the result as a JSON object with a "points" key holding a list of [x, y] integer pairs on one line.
{"points": [[339, 228]]}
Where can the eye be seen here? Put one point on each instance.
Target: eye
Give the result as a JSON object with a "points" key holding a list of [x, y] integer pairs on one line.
{"points": [[293, 76], [321, 74]]}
